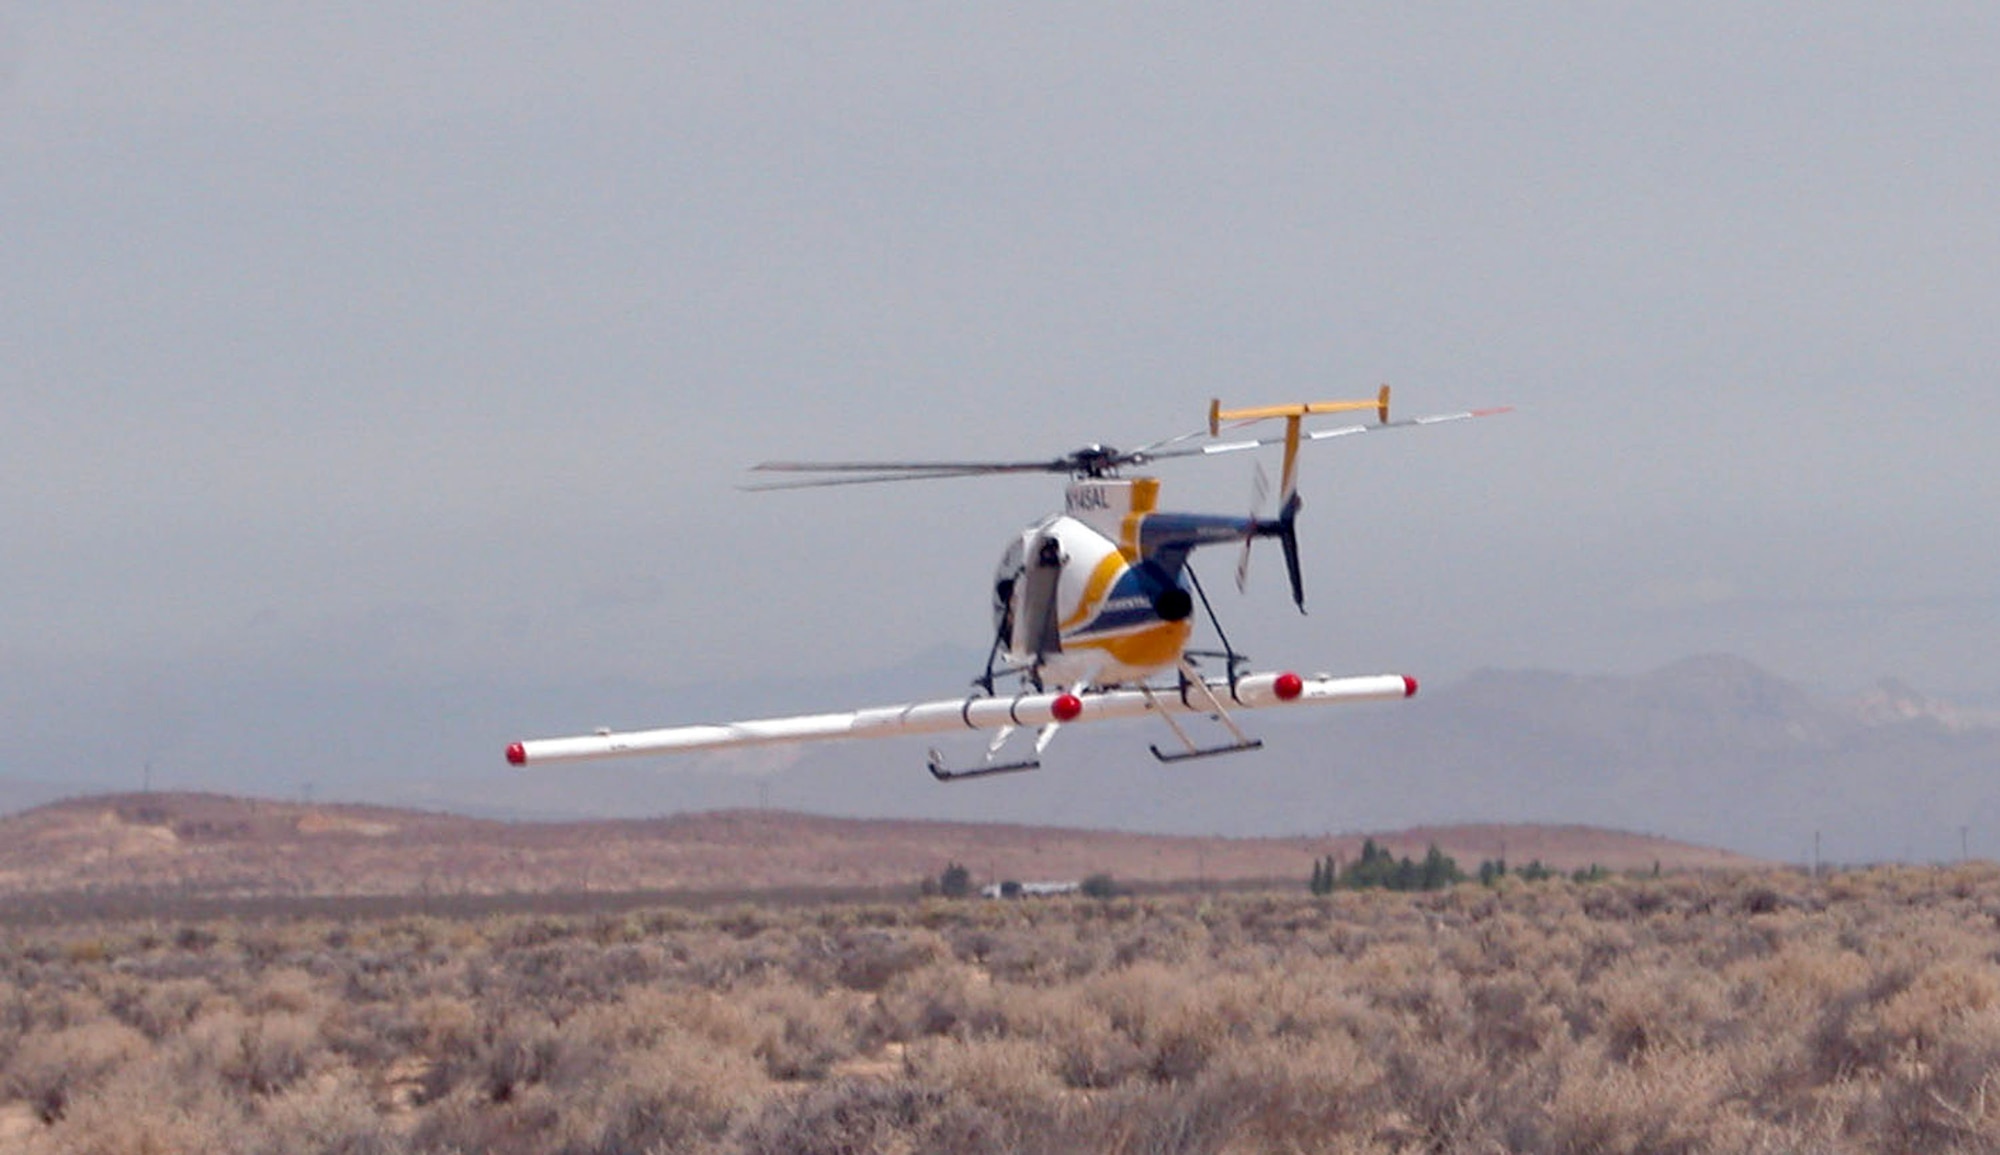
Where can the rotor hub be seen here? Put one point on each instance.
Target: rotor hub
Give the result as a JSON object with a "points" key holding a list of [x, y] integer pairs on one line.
{"points": [[1096, 460]]}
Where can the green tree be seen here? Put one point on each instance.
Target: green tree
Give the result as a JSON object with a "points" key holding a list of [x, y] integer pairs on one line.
{"points": [[1376, 869], [955, 882], [1325, 875], [1440, 870]]}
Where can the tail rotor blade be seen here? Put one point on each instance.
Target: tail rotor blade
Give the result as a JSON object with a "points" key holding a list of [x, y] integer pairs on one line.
{"points": [[1260, 489], [1288, 536]]}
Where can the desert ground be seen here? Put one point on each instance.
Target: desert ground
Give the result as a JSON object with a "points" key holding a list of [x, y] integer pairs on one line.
{"points": [[1750, 1009]]}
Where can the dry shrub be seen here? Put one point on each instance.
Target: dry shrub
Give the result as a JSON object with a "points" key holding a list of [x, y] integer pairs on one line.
{"points": [[1440, 1096], [868, 960], [1648, 1010], [165, 1007], [1011, 1077], [146, 1108], [704, 1087], [88, 951], [1916, 1019], [1203, 1120], [801, 1035], [1312, 999], [1796, 982], [328, 1117], [441, 1024], [1187, 1034], [286, 991], [50, 1070], [1513, 1019], [1950, 1101], [1678, 1103], [867, 1115], [518, 1054], [604, 972], [945, 998], [704, 1015], [1298, 1095], [12, 1024], [375, 1035], [680, 1095], [1171, 939], [528, 932], [1134, 997], [1046, 956], [1090, 1053], [256, 1056]]}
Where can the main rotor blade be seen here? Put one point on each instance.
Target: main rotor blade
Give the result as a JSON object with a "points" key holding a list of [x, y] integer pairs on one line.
{"points": [[869, 479], [1046, 465], [871, 472]]}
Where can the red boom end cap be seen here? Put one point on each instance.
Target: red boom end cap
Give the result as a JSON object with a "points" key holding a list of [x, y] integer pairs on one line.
{"points": [[1066, 707], [1288, 686], [517, 754], [1409, 686]]}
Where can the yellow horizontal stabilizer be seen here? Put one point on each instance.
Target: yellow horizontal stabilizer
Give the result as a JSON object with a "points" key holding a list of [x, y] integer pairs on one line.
{"points": [[1217, 414], [1293, 414]]}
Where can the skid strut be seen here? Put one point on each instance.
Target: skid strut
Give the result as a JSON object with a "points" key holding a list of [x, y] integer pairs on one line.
{"points": [[1192, 684]]}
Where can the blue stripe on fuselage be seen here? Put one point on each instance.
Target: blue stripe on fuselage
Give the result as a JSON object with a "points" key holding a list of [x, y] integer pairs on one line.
{"points": [[1131, 599]]}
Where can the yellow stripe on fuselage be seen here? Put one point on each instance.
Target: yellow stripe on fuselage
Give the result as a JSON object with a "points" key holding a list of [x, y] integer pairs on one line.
{"points": [[1148, 648], [1107, 571]]}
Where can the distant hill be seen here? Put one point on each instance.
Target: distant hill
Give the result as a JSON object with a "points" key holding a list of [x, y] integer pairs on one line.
{"points": [[213, 845]]}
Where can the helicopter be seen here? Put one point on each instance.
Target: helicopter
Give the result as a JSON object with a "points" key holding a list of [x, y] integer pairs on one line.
{"points": [[1093, 608]]}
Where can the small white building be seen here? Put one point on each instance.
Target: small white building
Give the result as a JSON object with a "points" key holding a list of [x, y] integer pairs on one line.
{"points": [[1012, 889]]}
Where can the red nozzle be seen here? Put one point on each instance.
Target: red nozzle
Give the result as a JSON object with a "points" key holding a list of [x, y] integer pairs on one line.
{"points": [[517, 754], [1066, 707], [1288, 686]]}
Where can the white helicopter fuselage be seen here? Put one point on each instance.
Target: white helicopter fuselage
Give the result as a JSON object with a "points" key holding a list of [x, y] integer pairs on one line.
{"points": [[1098, 594]]}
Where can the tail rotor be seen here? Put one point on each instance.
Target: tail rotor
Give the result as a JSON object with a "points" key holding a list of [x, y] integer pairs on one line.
{"points": [[1284, 527]]}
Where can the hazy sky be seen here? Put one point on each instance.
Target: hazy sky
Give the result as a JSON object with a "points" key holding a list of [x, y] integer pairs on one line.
{"points": [[426, 346]]}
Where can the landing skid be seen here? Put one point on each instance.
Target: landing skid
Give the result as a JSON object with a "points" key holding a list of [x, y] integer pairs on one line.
{"points": [[943, 773], [1193, 687], [1209, 752]]}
